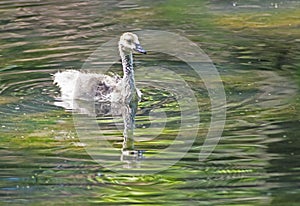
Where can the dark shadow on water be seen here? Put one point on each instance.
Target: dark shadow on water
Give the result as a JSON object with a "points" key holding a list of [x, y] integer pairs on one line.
{"points": [[98, 111]]}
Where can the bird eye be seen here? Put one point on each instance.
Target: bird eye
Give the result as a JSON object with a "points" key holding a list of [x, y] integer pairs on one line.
{"points": [[129, 41]]}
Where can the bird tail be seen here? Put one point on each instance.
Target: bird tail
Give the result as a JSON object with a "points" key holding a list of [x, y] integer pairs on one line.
{"points": [[66, 81]]}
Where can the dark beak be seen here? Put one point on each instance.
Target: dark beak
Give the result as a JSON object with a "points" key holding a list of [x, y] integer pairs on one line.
{"points": [[140, 49]]}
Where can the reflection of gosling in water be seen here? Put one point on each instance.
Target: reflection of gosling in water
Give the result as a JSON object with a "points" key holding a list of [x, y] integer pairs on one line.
{"points": [[102, 87]]}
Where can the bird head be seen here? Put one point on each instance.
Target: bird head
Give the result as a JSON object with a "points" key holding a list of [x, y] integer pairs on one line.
{"points": [[129, 43]]}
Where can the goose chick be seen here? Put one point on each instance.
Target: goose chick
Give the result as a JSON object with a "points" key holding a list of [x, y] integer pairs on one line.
{"points": [[81, 85]]}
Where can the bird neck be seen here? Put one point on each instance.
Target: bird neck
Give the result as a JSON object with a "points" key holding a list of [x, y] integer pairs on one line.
{"points": [[127, 63], [128, 76]]}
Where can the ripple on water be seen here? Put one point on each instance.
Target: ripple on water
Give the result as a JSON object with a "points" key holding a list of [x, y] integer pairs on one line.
{"points": [[26, 91]]}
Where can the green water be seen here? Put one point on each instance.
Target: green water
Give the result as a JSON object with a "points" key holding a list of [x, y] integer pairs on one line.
{"points": [[255, 48]]}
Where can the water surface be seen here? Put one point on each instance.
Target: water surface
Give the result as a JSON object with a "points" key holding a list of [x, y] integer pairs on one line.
{"points": [[253, 44]]}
